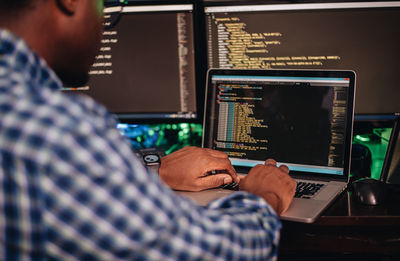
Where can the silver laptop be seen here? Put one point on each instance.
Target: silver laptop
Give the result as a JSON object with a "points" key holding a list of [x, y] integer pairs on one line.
{"points": [[301, 118]]}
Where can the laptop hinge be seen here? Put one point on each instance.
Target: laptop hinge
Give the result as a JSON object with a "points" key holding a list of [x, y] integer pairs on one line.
{"points": [[319, 178]]}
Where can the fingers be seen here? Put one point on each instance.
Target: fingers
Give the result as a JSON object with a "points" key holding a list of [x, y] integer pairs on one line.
{"points": [[241, 177], [216, 153], [272, 183], [284, 168], [214, 181], [270, 162], [230, 171], [222, 164]]}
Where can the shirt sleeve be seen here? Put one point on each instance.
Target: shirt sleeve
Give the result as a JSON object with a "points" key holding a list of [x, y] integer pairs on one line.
{"points": [[101, 204]]}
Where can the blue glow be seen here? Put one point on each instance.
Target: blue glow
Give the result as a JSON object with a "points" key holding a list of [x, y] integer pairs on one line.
{"points": [[321, 170], [279, 78]]}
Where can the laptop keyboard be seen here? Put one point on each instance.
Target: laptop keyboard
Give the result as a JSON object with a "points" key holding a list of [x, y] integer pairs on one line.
{"points": [[230, 186], [303, 190], [307, 189]]}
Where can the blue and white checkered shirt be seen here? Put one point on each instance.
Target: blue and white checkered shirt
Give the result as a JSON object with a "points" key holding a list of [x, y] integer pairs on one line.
{"points": [[71, 188]]}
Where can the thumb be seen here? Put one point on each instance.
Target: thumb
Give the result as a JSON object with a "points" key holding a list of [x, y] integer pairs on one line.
{"points": [[214, 181]]}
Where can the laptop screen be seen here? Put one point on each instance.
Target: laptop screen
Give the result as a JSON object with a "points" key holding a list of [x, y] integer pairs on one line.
{"points": [[300, 118]]}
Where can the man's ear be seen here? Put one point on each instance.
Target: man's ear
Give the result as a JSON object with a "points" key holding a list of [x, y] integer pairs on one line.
{"points": [[68, 6]]}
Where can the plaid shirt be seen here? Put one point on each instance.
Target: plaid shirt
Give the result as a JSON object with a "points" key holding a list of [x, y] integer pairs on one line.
{"points": [[71, 188]]}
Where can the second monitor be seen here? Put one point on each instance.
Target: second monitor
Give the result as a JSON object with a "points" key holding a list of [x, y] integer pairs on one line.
{"points": [[360, 36], [146, 67]]}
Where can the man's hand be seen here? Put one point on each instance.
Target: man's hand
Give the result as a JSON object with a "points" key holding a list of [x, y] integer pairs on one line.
{"points": [[187, 169], [271, 183]]}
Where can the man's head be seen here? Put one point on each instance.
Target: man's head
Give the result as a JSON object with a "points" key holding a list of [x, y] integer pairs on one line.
{"points": [[66, 33]]}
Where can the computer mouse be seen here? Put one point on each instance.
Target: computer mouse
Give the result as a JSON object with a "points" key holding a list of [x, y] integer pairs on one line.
{"points": [[369, 191]]}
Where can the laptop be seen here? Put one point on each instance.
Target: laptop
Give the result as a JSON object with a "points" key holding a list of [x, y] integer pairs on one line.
{"points": [[300, 118]]}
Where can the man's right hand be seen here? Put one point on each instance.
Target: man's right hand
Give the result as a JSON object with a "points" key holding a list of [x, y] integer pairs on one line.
{"points": [[271, 183]]}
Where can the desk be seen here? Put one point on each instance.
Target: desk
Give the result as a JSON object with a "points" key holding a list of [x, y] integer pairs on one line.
{"points": [[346, 229]]}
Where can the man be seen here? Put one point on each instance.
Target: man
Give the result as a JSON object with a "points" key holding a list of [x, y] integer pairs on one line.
{"points": [[71, 187]]}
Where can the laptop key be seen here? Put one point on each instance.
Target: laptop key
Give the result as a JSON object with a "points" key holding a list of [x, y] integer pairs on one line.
{"points": [[307, 189], [230, 186]]}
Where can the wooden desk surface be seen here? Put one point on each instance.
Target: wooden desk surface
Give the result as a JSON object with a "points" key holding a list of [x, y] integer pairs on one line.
{"points": [[347, 227]]}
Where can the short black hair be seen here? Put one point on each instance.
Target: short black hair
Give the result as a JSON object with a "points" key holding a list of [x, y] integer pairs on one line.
{"points": [[11, 9], [15, 4]]}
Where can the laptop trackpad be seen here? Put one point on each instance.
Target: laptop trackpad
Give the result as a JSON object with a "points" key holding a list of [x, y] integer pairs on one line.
{"points": [[328, 192], [304, 210], [204, 197]]}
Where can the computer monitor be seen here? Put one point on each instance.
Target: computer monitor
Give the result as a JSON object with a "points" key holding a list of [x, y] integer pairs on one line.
{"points": [[359, 36], [372, 137], [145, 70], [166, 137], [391, 168]]}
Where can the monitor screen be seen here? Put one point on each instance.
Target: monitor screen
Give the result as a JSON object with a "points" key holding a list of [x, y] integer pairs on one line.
{"points": [[301, 118], [391, 169], [362, 36], [145, 69], [371, 138], [166, 137]]}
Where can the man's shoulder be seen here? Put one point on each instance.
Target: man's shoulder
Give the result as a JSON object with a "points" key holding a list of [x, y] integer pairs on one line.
{"points": [[26, 102]]}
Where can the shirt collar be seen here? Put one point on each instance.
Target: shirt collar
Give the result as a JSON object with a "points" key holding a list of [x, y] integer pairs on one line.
{"points": [[15, 55]]}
